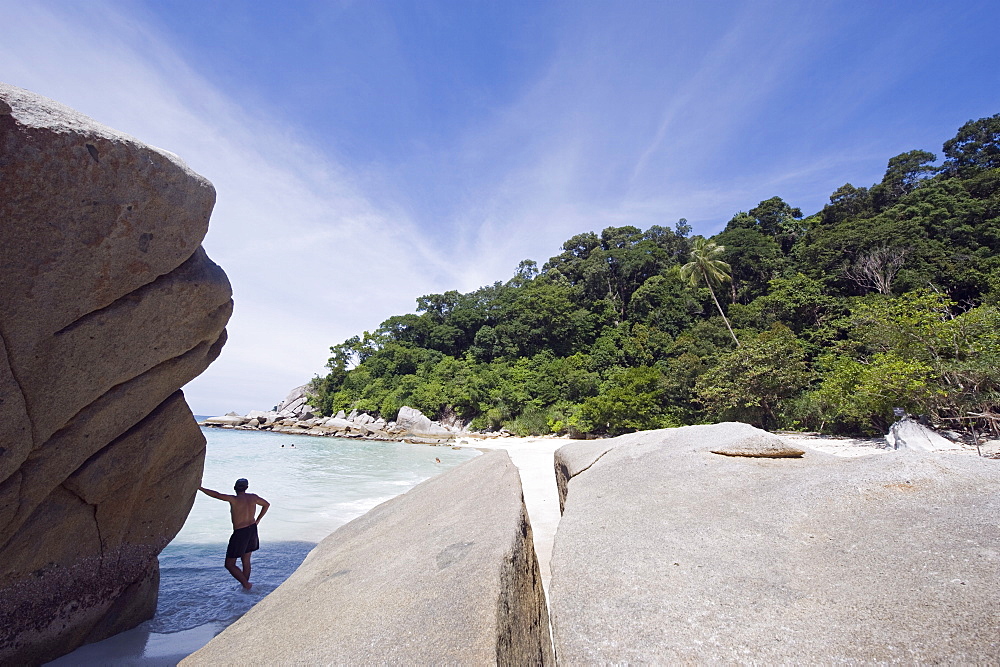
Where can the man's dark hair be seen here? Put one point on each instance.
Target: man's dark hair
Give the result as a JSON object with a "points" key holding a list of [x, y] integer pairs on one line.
{"points": [[241, 484]]}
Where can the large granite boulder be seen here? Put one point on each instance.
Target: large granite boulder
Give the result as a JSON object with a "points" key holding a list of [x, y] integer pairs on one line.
{"points": [[338, 424], [296, 404], [109, 306], [444, 574], [909, 434], [226, 420], [668, 553], [411, 421]]}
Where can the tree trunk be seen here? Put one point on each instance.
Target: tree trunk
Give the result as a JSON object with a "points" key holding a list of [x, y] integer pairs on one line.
{"points": [[724, 319]]}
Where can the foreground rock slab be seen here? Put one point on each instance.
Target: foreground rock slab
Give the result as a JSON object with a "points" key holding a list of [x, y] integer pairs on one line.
{"points": [[109, 305], [668, 553], [444, 574]]}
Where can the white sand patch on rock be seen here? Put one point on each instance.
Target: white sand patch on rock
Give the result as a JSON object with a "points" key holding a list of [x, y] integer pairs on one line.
{"points": [[836, 445]]}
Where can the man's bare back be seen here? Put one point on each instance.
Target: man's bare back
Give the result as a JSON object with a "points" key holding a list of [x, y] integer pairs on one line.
{"points": [[243, 506]]}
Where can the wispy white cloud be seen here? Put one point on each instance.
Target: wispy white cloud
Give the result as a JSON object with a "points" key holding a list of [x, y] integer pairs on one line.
{"points": [[612, 134], [311, 258]]}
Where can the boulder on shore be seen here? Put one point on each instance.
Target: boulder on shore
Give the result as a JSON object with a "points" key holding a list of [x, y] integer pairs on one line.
{"points": [[109, 306], [226, 420], [909, 434], [411, 421], [296, 404], [669, 553], [444, 574]]}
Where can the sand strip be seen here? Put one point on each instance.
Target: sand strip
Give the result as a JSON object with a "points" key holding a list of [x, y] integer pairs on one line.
{"points": [[534, 458]]}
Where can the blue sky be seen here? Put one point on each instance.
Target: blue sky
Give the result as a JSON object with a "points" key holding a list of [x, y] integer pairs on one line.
{"points": [[366, 153]]}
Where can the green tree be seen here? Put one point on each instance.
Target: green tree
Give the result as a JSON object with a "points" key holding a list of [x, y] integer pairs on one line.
{"points": [[902, 176], [664, 302], [773, 218], [704, 267], [846, 202], [860, 394], [913, 352], [631, 399], [527, 269], [754, 258], [976, 146], [750, 383]]}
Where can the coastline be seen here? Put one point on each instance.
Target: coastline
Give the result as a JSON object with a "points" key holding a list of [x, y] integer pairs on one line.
{"points": [[534, 459], [414, 428]]}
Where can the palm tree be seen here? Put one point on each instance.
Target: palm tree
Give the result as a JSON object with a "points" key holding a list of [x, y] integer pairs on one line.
{"points": [[704, 267]]}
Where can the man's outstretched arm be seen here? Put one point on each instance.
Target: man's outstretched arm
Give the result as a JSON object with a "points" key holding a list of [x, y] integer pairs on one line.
{"points": [[263, 508], [214, 494]]}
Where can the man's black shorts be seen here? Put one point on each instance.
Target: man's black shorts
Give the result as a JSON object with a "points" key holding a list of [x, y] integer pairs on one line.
{"points": [[243, 541]]}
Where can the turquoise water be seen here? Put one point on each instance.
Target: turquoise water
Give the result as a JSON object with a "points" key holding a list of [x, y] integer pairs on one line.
{"points": [[314, 485]]}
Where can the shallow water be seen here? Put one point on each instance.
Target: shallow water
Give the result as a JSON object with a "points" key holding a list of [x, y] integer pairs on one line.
{"points": [[314, 485]]}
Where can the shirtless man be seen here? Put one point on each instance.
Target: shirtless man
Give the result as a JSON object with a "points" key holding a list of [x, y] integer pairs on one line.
{"points": [[244, 540]]}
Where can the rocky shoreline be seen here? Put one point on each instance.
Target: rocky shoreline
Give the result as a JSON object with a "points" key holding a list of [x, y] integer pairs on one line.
{"points": [[410, 426], [294, 416]]}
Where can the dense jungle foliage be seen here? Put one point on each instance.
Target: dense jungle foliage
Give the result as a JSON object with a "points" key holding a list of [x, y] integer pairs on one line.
{"points": [[887, 297]]}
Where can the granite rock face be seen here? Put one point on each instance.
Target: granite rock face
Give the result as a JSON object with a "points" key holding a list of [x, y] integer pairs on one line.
{"points": [[668, 553], [296, 404], [109, 305], [908, 434], [413, 422], [444, 574]]}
